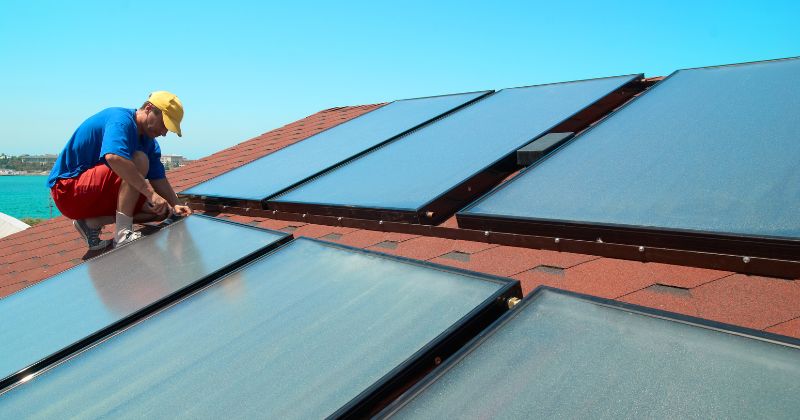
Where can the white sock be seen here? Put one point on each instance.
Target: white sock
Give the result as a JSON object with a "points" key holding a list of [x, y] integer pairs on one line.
{"points": [[124, 225]]}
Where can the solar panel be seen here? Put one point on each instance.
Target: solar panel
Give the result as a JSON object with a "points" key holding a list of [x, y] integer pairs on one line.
{"points": [[419, 178], [51, 319], [307, 330], [557, 355], [711, 151], [291, 165]]}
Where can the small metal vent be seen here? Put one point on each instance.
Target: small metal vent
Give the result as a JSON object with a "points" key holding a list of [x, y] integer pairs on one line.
{"points": [[387, 245], [458, 256], [548, 269], [671, 290]]}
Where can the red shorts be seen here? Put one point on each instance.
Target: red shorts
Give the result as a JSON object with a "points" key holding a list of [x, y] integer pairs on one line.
{"points": [[93, 193]]}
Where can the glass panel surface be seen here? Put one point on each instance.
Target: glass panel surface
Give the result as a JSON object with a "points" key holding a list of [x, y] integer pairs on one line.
{"points": [[286, 167], [47, 317], [711, 149], [416, 169], [564, 357], [295, 334]]}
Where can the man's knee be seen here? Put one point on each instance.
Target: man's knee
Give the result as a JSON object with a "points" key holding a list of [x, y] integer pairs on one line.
{"points": [[142, 162]]}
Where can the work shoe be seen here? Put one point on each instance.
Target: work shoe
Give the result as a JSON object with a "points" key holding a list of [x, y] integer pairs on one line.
{"points": [[127, 236], [91, 236]]}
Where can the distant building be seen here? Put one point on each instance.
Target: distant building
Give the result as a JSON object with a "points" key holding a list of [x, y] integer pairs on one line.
{"points": [[173, 161], [44, 160]]}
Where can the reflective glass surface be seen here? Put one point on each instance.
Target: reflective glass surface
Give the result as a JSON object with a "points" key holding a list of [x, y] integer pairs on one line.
{"points": [[295, 334], [416, 169], [280, 170], [43, 319], [711, 149], [564, 357]]}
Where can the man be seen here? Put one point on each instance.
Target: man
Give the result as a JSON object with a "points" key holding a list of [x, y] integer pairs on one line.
{"points": [[102, 174]]}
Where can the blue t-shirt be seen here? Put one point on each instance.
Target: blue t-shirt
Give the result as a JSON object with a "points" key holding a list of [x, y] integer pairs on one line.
{"points": [[112, 130]]}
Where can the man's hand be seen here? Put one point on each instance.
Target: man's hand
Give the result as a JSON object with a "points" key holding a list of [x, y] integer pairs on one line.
{"points": [[164, 189], [181, 210], [158, 205]]}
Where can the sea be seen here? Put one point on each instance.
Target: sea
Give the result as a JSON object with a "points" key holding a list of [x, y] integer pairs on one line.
{"points": [[26, 196]]}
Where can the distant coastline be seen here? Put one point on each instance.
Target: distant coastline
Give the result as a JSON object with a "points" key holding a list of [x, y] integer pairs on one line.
{"points": [[36, 165], [9, 172]]}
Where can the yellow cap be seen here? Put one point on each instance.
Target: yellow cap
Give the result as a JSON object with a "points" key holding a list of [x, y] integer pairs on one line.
{"points": [[171, 109]]}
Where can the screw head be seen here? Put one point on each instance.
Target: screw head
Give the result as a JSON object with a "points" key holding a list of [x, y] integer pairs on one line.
{"points": [[557, 240], [485, 233], [641, 249], [746, 260], [380, 222], [599, 240]]}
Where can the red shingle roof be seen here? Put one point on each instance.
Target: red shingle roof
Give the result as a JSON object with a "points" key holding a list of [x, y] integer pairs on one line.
{"points": [[751, 301]]}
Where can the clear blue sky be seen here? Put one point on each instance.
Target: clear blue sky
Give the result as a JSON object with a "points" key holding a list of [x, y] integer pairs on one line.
{"points": [[242, 68]]}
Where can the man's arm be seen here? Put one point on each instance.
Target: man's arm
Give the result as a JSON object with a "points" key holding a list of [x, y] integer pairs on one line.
{"points": [[127, 170], [164, 189]]}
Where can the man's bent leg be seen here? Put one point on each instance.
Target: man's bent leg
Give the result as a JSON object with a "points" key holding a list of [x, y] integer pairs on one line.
{"points": [[127, 203]]}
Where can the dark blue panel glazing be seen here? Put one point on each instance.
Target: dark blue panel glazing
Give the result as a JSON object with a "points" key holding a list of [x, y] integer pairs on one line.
{"points": [[295, 334], [557, 356], [416, 169], [286, 167], [43, 319], [711, 149]]}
